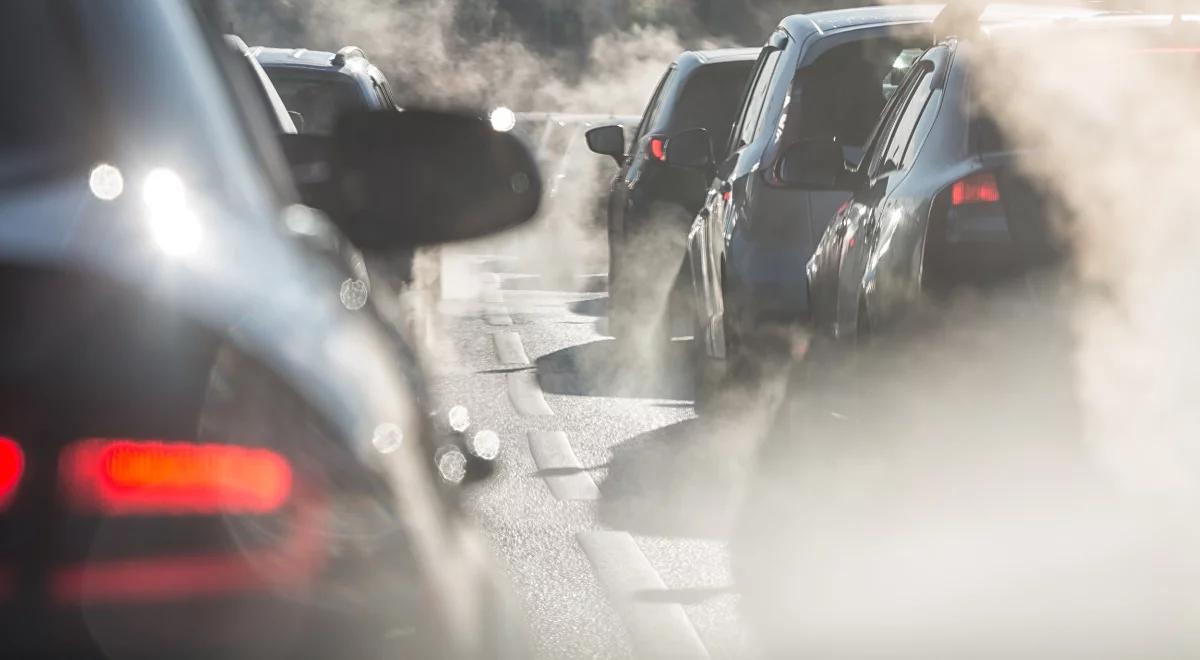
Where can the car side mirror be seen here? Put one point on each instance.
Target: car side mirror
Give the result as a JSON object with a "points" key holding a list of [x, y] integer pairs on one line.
{"points": [[405, 179], [690, 149], [607, 141], [297, 120], [814, 163]]}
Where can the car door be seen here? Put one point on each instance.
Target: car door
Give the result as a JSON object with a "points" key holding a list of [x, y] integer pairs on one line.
{"points": [[709, 233], [880, 209]]}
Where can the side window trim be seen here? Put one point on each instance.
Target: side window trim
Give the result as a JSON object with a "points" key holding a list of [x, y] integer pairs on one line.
{"points": [[883, 139], [652, 106], [904, 129], [756, 100], [738, 125]]}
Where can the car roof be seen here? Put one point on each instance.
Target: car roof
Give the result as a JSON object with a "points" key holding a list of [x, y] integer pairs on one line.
{"points": [[301, 57], [719, 55], [349, 57], [691, 60], [837, 20]]}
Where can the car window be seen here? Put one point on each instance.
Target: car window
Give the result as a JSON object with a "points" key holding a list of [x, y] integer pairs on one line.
{"points": [[655, 106], [755, 99], [906, 123], [877, 144], [705, 101], [318, 97], [843, 92]]}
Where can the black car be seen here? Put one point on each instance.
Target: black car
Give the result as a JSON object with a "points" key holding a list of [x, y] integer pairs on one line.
{"points": [[212, 442], [650, 203], [823, 76]]}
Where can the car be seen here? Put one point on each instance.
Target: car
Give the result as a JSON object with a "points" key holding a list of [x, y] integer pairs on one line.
{"points": [[316, 86], [824, 74], [650, 203], [976, 384], [938, 204], [212, 441]]}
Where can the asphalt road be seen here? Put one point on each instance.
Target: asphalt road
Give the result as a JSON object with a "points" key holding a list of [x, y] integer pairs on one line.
{"points": [[613, 503]]}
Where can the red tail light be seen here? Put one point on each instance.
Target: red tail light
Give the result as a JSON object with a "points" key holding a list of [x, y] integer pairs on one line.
{"points": [[121, 477], [12, 466], [658, 148], [978, 188]]}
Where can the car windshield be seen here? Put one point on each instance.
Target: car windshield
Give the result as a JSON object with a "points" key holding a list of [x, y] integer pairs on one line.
{"points": [[318, 97]]}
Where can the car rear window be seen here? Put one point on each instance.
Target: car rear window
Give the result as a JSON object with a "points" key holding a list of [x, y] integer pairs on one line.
{"points": [[48, 120], [710, 99], [318, 97]]}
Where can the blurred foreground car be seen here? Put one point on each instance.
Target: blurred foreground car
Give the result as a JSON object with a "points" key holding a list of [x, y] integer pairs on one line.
{"points": [[651, 204], [211, 442]]}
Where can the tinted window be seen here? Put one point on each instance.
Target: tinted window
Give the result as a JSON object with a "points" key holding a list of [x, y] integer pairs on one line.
{"points": [[843, 92], [318, 97], [757, 97], [710, 100], [655, 106]]}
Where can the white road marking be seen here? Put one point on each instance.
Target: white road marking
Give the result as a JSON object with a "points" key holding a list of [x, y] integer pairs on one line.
{"points": [[565, 476], [509, 349], [659, 630], [526, 394]]}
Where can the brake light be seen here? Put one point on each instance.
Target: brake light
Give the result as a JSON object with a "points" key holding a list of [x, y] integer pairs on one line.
{"points": [[123, 477], [658, 148], [978, 188], [12, 466]]}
